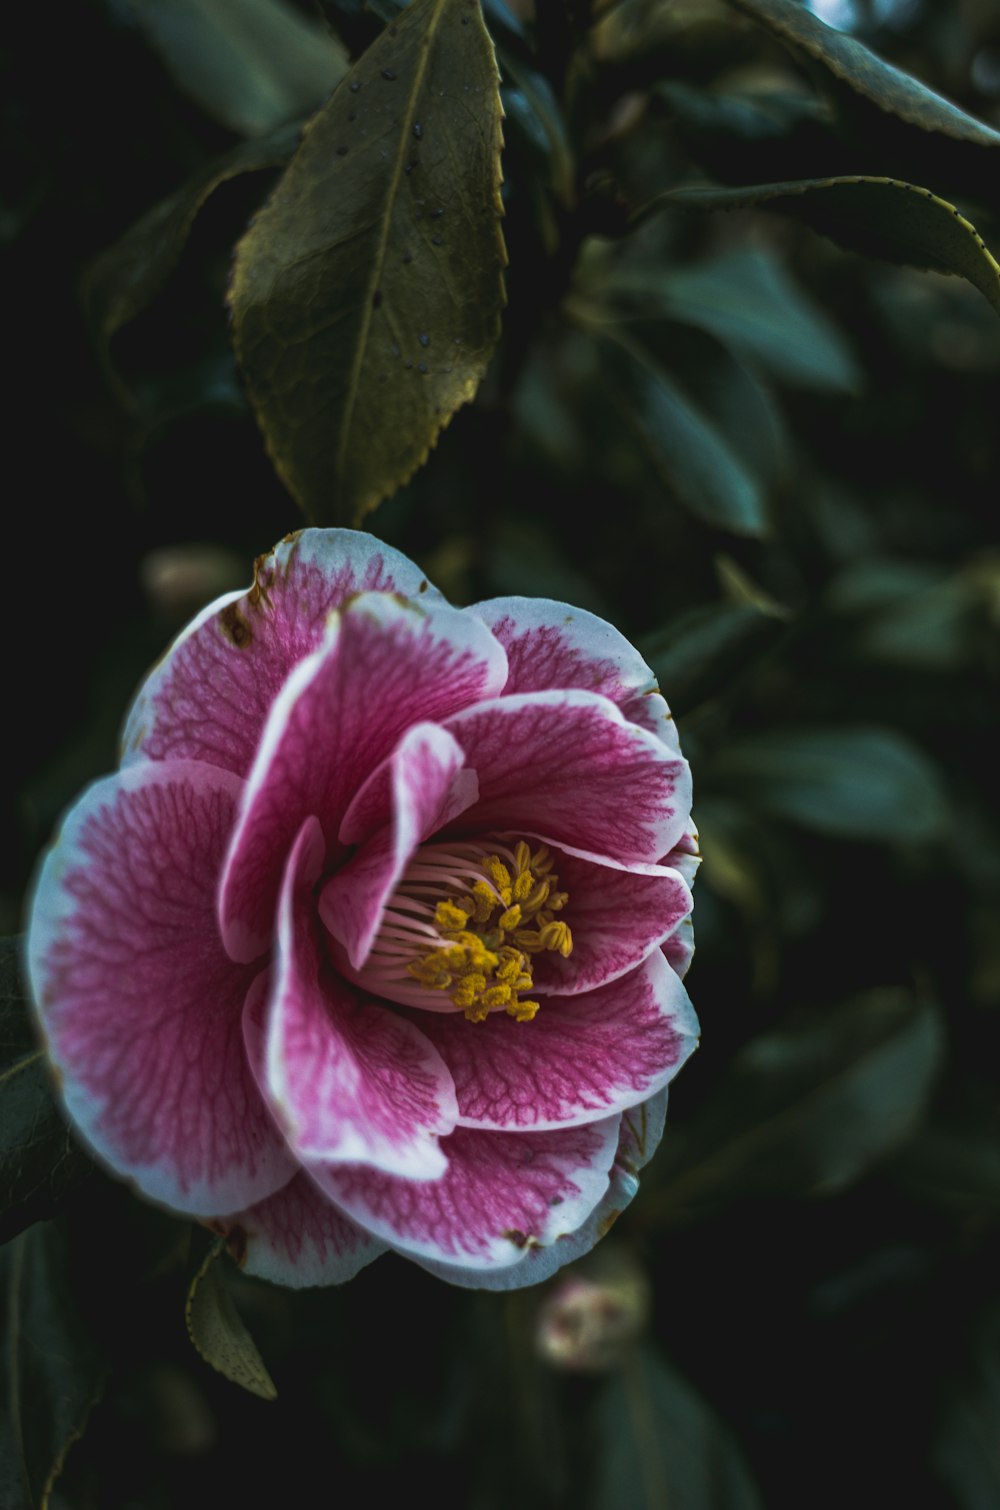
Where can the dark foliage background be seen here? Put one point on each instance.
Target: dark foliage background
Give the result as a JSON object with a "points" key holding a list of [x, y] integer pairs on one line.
{"points": [[772, 463]]}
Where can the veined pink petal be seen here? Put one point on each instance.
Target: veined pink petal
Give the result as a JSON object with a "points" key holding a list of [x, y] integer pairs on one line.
{"points": [[503, 1192], [550, 646], [210, 695], [640, 1133], [349, 1080], [138, 1000], [297, 1237], [617, 914], [568, 767], [411, 794], [581, 1058], [384, 665]]}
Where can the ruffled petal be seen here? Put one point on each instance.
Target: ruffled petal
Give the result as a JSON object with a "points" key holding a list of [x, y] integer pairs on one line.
{"points": [[580, 1058], [137, 998], [550, 646], [419, 787], [617, 914], [639, 1135], [384, 665], [503, 1193], [567, 766], [349, 1081], [296, 1237], [210, 695]]}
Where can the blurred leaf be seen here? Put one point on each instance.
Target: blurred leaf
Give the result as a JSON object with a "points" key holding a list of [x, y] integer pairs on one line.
{"points": [[366, 297], [749, 301], [966, 1452], [878, 217], [806, 1109], [217, 1330], [40, 1163], [696, 655], [909, 613], [852, 782], [251, 65], [660, 1445], [122, 281], [843, 59], [684, 446], [54, 1371], [743, 137]]}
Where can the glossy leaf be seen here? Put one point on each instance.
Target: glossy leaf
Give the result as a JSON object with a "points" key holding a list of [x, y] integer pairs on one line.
{"points": [[662, 1445], [53, 1371], [685, 447], [252, 65], [861, 782], [218, 1332], [878, 217], [366, 296], [39, 1160], [806, 1109]]}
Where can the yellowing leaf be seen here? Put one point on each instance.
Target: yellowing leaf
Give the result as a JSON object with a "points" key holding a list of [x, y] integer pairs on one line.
{"points": [[366, 296]]}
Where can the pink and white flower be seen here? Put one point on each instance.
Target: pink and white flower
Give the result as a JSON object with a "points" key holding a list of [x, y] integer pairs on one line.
{"points": [[375, 939]]}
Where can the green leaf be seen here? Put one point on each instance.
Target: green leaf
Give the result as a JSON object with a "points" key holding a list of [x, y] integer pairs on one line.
{"points": [[733, 136], [878, 217], [54, 1371], [842, 59], [966, 1452], [806, 1109], [124, 280], [861, 782], [366, 297], [661, 1445], [217, 1330], [747, 299], [696, 655], [252, 65], [40, 1163], [684, 446]]}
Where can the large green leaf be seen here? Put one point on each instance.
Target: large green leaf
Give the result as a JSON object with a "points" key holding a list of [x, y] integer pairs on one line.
{"points": [[662, 1446], [366, 296], [123, 280], [805, 1109], [879, 217], [680, 440], [53, 1372], [39, 1161], [250, 64], [218, 1332], [845, 60], [858, 782]]}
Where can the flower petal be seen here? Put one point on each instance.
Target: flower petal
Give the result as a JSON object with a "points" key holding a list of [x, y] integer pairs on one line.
{"points": [[568, 767], [384, 664], [209, 697], [139, 1002], [503, 1192], [617, 915], [297, 1237], [639, 1136], [419, 787], [580, 1058], [349, 1081], [550, 645]]}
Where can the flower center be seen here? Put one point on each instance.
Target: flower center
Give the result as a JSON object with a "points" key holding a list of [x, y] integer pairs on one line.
{"points": [[466, 922]]}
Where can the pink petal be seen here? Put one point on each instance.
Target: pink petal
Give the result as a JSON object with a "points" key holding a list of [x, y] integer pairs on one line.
{"points": [[567, 766], [349, 1081], [551, 646], [296, 1237], [140, 1004], [641, 1130], [617, 916], [503, 1192], [209, 697], [678, 950], [384, 664], [408, 797], [580, 1058]]}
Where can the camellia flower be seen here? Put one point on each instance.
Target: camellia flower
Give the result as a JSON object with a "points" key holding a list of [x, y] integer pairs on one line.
{"points": [[375, 939]]}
